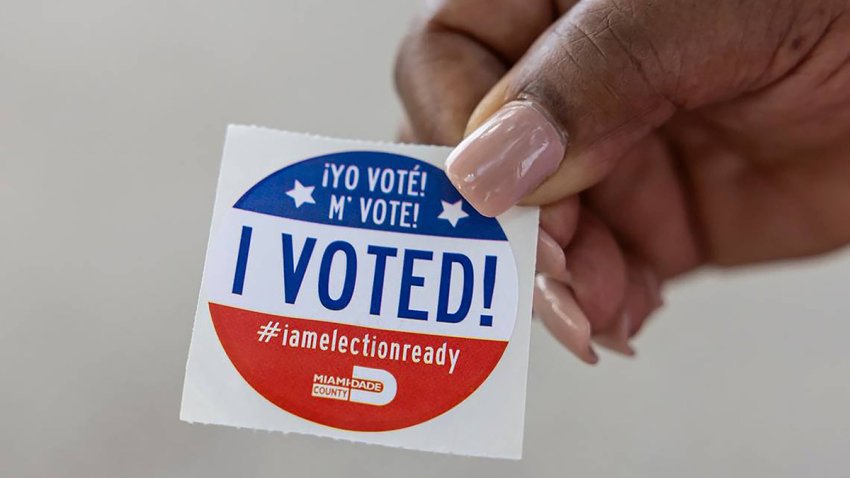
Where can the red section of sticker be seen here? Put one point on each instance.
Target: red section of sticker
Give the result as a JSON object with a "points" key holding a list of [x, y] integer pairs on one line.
{"points": [[352, 377]]}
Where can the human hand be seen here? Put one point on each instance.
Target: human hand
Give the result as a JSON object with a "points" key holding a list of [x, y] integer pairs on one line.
{"points": [[659, 135]]}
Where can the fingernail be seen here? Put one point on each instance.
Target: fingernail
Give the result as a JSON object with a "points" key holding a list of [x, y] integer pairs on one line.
{"points": [[617, 339], [557, 308], [550, 257], [653, 285], [507, 157]]}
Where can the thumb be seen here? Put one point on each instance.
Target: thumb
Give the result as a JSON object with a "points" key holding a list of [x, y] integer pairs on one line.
{"points": [[606, 75]]}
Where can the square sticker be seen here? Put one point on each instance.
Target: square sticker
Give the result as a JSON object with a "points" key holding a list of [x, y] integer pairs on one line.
{"points": [[349, 291]]}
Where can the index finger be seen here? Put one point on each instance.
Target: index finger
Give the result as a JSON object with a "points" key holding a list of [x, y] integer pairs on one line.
{"points": [[456, 53]]}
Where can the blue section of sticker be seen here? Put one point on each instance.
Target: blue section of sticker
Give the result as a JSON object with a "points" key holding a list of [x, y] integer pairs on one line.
{"points": [[371, 190]]}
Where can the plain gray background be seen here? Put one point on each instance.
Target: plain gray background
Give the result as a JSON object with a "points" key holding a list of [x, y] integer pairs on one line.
{"points": [[112, 117]]}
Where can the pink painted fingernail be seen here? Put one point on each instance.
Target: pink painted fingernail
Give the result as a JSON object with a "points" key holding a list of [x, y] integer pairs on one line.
{"points": [[550, 257], [556, 306], [617, 339], [653, 285], [507, 157]]}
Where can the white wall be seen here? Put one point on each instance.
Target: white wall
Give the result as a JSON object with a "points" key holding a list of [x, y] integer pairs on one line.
{"points": [[112, 116]]}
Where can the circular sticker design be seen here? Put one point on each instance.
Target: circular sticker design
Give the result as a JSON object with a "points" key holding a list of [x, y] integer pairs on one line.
{"points": [[358, 290]]}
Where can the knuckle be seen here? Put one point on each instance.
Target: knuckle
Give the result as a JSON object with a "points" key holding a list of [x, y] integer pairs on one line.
{"points": [[405, 50], [401, 64], [607, 55]]}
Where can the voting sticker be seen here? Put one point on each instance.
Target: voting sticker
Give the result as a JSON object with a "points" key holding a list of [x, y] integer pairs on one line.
{"points": [[350, 291]]}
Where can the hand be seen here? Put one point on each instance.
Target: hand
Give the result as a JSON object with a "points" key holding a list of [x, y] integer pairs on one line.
{"points": [[660, 135]]}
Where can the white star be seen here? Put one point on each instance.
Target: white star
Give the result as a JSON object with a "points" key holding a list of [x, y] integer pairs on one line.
{"points": [[301, 194], [452, 212]]}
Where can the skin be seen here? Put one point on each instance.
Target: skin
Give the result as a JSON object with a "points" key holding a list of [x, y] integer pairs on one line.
{"points": [[700, 133]]}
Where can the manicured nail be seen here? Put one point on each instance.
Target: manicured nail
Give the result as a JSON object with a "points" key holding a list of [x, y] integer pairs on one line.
{"points": [[507, 157], [550, 257], [617, 339], [556, 306], [653, 285]]}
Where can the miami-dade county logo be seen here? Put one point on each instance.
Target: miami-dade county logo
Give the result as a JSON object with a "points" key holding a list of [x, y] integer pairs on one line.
{"points": [[366, 385], [359, 291]]}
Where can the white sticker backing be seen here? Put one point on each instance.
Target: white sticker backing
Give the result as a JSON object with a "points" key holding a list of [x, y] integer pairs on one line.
{"points": [[349, 291]]}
